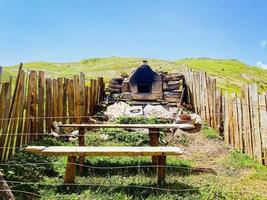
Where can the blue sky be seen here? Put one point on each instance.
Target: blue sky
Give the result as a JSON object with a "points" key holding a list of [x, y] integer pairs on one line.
{"points": [[70, 30]]}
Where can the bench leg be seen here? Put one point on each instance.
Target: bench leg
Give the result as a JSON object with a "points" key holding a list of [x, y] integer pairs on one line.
{"points": [[70, 170], [81, 143], [154, 141], [161, 170]]}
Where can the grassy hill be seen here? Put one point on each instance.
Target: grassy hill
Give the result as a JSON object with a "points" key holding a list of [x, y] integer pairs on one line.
{"points": [[231, 74]]}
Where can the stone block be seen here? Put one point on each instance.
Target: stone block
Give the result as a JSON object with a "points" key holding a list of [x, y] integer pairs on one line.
{"points": [[126, 95]]}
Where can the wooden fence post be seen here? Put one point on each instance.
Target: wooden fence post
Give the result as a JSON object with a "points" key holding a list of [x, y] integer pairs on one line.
{"points": [[82, 97], [240, 124], [48, 104], [236, 136], [226, 120], [33, 104], [70, 94], [263, 125], [65, 98], [256, 136], [60, 98], [55, 100], [41, 111], [247, 121], [91, 97], [77, 99], [11, 134], [5, 102]]}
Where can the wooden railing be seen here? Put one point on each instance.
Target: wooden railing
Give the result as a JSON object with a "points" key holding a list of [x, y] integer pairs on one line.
{"points": [[241, 120], [28, 108]]}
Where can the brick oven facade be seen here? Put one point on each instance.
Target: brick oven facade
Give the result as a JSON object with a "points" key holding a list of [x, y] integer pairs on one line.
{"points": [[144, 84]]}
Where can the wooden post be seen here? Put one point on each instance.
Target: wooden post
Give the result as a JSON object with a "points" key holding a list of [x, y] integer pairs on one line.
{"points": [[247, 121], [33, 105], [256, 137], [263, 125], [55, 100], [81, 143], [48, 104], [77, 99], [82, 97], [65, 98], [15, 112], [41, 112], [154, 141], [91, 97], [60, 99], [70, 170], [70, 94], [86, 99], [5, 102], [161, 165]]}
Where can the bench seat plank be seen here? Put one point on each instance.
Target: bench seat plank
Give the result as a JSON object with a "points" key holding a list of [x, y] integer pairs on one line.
{"points": [[104, 151]]}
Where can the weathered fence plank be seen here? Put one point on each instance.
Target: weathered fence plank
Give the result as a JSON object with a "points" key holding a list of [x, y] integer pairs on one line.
{"points": [[55, 100], [13, 123], [82, 97], [48, 104], [60, 99], [65, 99], [33, 105], [6, 92], [37, 101], [253, 92], [70, 95], [247, 121], [240, 124], [263, 125], [41, 96], [77, 99]]}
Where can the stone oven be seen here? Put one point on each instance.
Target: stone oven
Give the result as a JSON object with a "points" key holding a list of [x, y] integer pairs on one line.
{"points": [[145, 84]]}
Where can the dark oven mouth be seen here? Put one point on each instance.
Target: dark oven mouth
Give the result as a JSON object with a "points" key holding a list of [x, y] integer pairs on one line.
{"points": [[144, 88]]}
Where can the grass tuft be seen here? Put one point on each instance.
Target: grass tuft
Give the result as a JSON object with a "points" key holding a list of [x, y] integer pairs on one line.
{"points": [[210, 133]]}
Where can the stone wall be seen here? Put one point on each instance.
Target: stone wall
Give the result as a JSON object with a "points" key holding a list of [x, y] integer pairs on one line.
{"points": [[172, 84]]}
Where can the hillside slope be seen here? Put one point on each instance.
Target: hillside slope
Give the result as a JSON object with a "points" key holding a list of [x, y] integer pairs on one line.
{"points": [[231, 74]]}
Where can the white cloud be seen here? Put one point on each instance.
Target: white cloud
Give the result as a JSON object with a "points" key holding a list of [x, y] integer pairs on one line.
{"points": [[263, 44], [262, 65]]}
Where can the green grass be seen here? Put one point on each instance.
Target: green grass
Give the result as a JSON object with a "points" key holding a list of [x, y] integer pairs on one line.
{"points": [[238, 160], [210, 133], [230, 74], [114, 178]]}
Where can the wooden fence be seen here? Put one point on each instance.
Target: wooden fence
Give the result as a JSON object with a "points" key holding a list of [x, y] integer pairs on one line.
{"points": [[242, 121], [28, 108]]}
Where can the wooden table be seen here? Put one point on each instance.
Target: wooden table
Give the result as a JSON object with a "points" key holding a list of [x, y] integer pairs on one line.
{"points": [[153, 133]]}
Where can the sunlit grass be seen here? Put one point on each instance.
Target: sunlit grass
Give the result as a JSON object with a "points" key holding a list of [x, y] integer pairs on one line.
{"points": [[230, 74]]}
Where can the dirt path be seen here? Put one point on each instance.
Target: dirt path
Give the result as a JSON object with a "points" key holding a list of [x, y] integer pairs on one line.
{"points": [[203, 152]]}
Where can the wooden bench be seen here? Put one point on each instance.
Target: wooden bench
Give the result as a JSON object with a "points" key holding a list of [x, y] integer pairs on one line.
{"points": [[73, 152], [154, 130]]}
